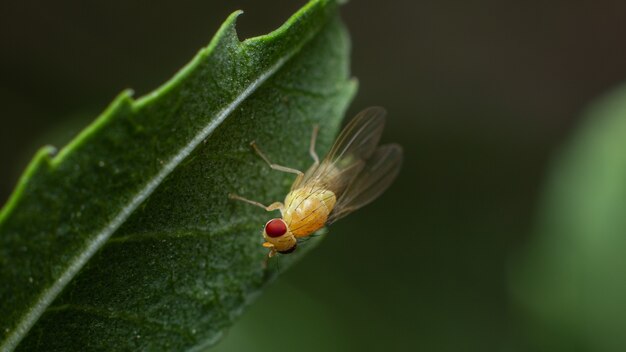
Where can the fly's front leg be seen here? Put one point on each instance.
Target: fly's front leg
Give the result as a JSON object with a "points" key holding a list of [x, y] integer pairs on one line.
{"points": [[276, 166], [271, 207], [312, 151]]}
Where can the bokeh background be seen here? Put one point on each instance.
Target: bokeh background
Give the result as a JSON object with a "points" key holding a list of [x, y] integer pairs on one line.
{"points": [[481, 94]]}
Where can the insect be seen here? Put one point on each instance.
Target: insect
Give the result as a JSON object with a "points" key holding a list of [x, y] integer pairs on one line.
{"points": [[354, 173]]}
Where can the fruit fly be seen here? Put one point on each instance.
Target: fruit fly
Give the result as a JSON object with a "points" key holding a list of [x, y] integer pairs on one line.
{"points": [[354, 173]]}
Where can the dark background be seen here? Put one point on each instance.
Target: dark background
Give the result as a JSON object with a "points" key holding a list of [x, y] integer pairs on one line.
{"points": [[480, 94]]}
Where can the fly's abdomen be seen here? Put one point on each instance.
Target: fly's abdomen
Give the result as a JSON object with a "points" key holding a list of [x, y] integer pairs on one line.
{"points": [[307, 209]]}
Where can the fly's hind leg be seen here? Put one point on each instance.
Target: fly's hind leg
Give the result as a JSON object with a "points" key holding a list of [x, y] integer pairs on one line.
{"points": [[271, 207], [276, 166]]}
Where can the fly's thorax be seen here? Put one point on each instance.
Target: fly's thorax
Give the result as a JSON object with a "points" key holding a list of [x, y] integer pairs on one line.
{"points": [[277, 233], [307, 209]]}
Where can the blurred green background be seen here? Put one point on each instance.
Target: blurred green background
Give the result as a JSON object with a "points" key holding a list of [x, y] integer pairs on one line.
{"points": [[481, 94]]}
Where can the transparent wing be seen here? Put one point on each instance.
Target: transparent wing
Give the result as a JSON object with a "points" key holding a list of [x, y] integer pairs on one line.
{"points": [[355, 144], [356, 169], [375, 177], [361, 136]]}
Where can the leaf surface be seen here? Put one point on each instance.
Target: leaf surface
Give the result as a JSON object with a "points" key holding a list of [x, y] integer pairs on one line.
{"points": [[125, 239]]}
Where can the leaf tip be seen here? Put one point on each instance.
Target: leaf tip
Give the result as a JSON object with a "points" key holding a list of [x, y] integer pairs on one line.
{"points": [[228, 28], [42, 160], [47, 152]]}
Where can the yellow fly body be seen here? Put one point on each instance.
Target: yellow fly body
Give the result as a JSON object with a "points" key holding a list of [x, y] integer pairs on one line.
{"points": [[354, 173]]}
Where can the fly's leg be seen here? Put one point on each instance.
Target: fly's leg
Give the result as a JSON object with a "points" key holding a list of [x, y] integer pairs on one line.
{"points": [[276, 166], [312, 151], [271, 207], [270, 254]]}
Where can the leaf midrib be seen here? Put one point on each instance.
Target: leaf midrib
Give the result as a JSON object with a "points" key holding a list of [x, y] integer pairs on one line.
{"points": [[49, 295]]}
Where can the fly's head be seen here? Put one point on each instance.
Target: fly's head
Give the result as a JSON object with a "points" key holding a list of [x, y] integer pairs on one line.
{"points": [[279, 238]]}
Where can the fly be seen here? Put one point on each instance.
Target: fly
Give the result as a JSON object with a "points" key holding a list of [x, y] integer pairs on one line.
{"points": [[354, 173]]}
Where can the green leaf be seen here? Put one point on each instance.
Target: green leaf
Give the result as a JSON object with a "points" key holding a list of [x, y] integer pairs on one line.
{"points": [[126, 239], [572, 282]]}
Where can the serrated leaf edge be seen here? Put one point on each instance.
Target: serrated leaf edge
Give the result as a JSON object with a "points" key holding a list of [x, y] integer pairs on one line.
{"points": [[45, 154]]}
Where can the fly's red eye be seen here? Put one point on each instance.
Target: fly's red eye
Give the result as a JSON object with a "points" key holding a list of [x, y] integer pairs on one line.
{"points": [[275, 228]]}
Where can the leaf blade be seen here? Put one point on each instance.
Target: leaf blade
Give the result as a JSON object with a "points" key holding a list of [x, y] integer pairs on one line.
{"points": [[304, 25]]}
